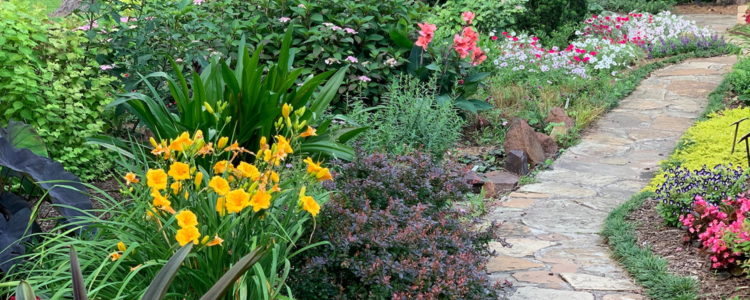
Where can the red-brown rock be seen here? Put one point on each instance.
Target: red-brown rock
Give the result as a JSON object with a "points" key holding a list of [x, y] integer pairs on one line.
{"points": [[548, 144], [557, 115], [522, 137], [502, 181]]}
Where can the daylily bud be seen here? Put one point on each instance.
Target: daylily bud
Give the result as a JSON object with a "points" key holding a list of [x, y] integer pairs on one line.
{"points": [[288, 122], [199, 143], [301, 125], [285, 110], [153, 142], [229, 119], [222, 143], [300, 112], [253, 187], [204, 240], [208, 107]]}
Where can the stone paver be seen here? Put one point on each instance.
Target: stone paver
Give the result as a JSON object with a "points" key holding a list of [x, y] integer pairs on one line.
{"points": [[553, 224]]}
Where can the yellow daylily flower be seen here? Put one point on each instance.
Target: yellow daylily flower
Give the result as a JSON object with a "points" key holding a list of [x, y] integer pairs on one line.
{"points": [[187, 235], [179, 171], [156, 179], [186, 218]]}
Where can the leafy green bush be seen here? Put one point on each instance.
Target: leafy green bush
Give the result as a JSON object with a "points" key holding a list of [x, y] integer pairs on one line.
{"points": [[327, 35], [490, 15], [410, 119], [549, 15], [739, 78], [48, 79], [649, 6]]}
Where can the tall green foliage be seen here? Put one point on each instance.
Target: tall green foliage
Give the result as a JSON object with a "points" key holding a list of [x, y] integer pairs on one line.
{"points": [[548, 15], [48, 80], [490, 15], [410, 119], [244, 103]]}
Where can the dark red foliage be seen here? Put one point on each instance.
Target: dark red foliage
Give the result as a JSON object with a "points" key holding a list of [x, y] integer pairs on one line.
{"points": [[397, 249]]}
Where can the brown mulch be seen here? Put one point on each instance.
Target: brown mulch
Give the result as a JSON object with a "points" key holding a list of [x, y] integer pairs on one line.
{"points": [[684, 259], [706, 8], [48, 214]]}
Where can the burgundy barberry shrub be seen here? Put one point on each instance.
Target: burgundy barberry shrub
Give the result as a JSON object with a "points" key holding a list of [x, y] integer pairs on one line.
{"points": [[401, 248]]}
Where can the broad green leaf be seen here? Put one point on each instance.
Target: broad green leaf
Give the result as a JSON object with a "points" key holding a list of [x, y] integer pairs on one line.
{"points": [[21, 135], [24, 291]]}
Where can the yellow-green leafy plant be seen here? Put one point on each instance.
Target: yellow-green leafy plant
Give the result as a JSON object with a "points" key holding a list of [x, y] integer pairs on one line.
{"points": [[227, 211], [709, 143], [50, 80]]}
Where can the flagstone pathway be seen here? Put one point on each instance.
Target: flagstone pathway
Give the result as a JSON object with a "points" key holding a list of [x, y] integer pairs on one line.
{"points": [[553, 224]]}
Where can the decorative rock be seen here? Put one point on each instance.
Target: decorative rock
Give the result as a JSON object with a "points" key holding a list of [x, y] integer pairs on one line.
{"points": [[533, 293], [689, 88], [564, 268], [557, 115], [591, 282], [471, 178], [537, 277], [503, 181], [506, 263], [549, 146], [517, 163], [513, 230], [522, 137], [490, 189], [521, 247]]}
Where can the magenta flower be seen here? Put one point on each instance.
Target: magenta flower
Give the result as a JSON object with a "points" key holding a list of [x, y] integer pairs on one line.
{"points": [[364, 79], [106, 67]]}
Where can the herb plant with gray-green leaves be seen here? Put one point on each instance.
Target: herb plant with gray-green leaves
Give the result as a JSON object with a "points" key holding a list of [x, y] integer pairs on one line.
{"points": [[411, 118]]}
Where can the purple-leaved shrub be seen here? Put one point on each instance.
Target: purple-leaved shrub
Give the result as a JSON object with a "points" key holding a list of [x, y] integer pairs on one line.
{"points": [[392, 236]]}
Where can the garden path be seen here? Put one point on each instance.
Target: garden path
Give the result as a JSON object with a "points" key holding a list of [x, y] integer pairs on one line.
{"points": [[554, 223]]}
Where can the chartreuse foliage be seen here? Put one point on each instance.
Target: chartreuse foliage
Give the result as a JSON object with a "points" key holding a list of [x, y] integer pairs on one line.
{"points": [[48, 79], [709, 143], [23, 164], [227, 210], [244, 103]]}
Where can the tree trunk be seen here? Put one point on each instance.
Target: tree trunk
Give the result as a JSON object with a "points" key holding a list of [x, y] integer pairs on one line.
{"points": [[66, 8]]}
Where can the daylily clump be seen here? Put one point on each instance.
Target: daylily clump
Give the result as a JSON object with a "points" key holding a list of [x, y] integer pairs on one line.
{"points": [[235, 188]]}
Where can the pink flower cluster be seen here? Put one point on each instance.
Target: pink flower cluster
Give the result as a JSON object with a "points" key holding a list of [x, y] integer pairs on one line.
{"points": [[426, 34], [719, 231], [464, 44]]}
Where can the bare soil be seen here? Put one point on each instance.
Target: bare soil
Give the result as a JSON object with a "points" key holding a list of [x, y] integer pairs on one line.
{"points": [[48, 214], [706, 8], [685, 259]]}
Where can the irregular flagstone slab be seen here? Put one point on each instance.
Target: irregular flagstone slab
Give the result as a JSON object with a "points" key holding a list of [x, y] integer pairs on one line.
{"points": [[606, 139], [513, 229], [691, 88], [564, 216], [581, 178], [602, 204], [537, 277], [686, 71], [672, 123], [558, 189], [533, 293], [615, 161], [651, 134], [590, 282], [643, 104], [624, 172], [507, 263], [598, 150], [518, 202], [521, 247], [623, 297], [529, 195]]}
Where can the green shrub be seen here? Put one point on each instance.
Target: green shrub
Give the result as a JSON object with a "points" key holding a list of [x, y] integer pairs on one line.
{"points": [[549, 15], [410, 119], [490, 15], [649, 6], [325, 35], [48, 79]]}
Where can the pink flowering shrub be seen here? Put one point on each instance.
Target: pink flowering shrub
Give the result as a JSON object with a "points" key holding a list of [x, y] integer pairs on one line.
{"points": [[722, 229]]}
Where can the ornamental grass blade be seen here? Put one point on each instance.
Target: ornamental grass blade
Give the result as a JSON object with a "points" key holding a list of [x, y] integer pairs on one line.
{"points": [[24, 291], [225, 282], [79, 288], [158, 288]]}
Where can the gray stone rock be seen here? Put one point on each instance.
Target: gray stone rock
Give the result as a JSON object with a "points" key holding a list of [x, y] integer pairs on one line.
{"points": [[533, 293], [591, 282], [502, 181], [517, 162]]}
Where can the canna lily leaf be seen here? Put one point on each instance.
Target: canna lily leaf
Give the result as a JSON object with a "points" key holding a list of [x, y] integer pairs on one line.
{"points": [[24, 291], [79, 287], [158, 288]]}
